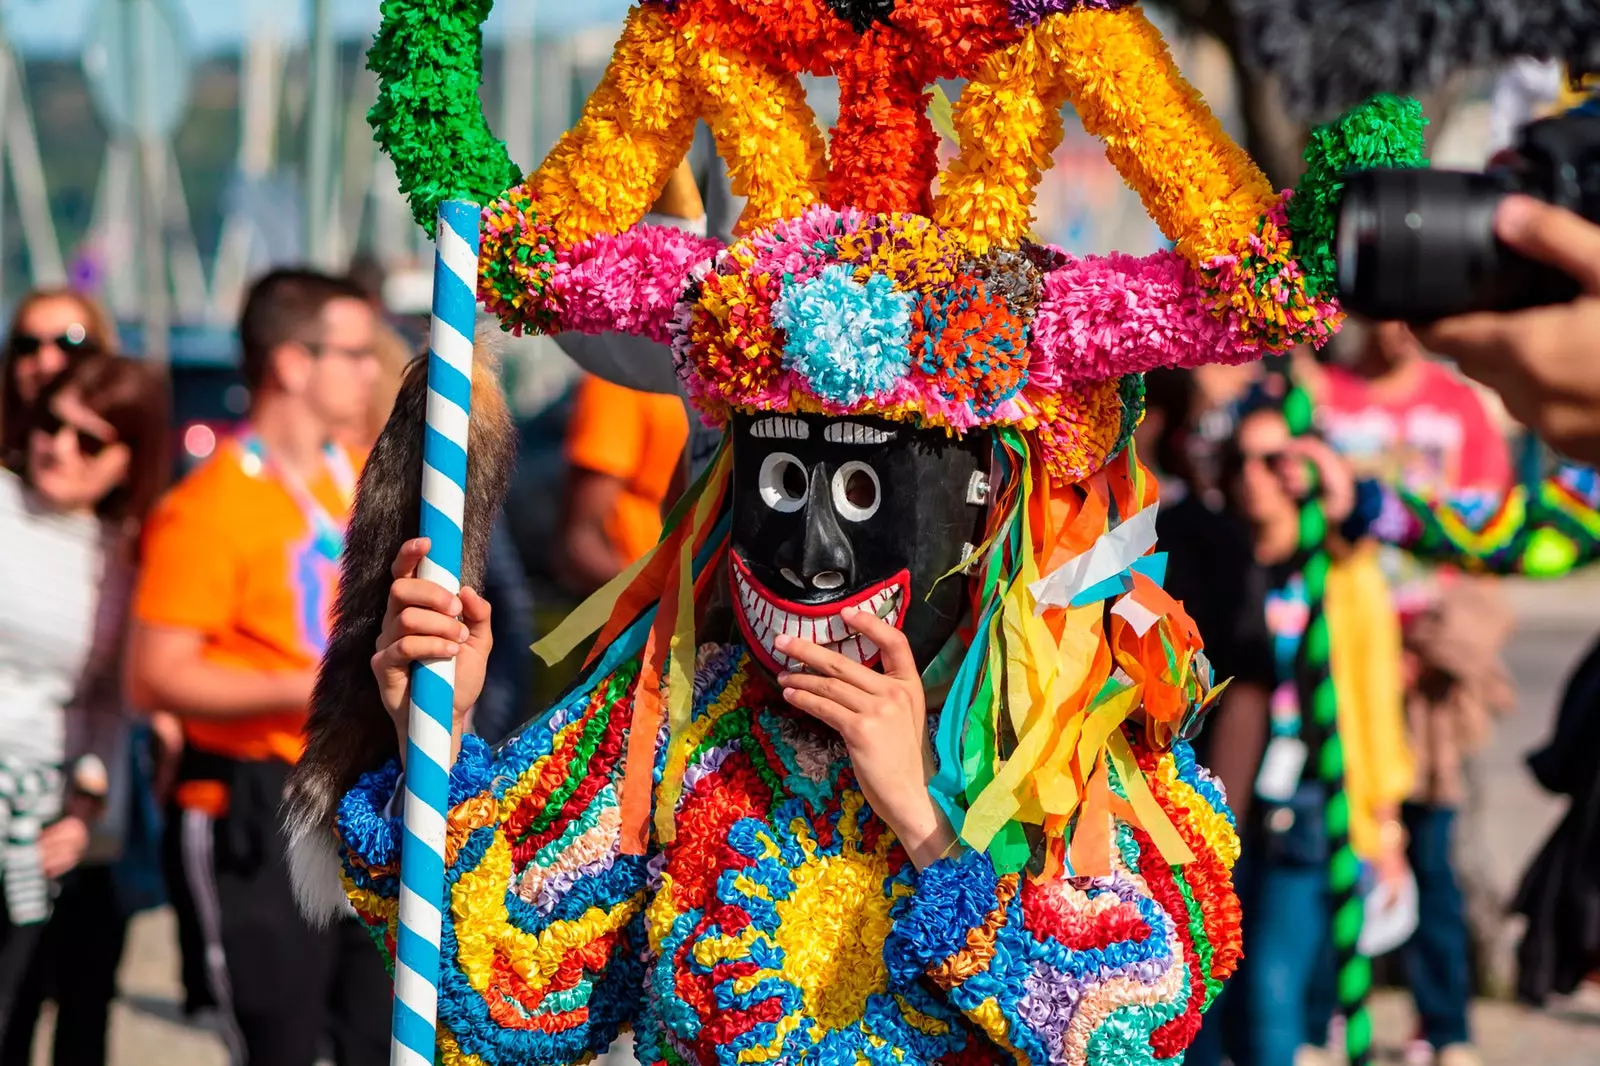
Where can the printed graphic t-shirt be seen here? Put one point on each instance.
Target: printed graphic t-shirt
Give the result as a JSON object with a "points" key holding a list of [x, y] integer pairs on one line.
{"points": [[1287, 611], [231, 555], [638, 438], [1436, 439]]}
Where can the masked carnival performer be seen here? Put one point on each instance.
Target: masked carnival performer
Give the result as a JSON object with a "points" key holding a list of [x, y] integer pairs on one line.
{"points": [[881, 754]]}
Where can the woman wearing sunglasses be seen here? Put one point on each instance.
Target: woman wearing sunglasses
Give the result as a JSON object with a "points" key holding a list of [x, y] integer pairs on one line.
{"points": [[52, 329], [94, 464]]}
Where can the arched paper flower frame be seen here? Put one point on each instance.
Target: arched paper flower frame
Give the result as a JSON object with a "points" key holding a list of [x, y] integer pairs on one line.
{"points": [[565, 248]]}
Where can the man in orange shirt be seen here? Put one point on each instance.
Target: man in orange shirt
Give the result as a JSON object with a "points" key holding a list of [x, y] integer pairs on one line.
{"points": [[625, 449], [230, 619]]}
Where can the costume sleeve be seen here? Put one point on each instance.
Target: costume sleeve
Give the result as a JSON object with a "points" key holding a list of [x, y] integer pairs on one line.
{"points": [[543, 935], [1041, 964], [1548, 532]]}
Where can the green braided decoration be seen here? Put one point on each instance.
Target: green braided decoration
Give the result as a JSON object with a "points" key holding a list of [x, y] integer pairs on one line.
{"points": [[428, 56], [1314, 684], [1386, 131]]}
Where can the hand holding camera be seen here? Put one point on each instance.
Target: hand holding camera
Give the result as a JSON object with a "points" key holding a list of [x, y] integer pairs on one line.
{"points": [[1544, 362], [1499, 270]]}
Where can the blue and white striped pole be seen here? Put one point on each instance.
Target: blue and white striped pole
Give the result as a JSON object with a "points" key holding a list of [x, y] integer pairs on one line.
{"points": [[444, 493]]}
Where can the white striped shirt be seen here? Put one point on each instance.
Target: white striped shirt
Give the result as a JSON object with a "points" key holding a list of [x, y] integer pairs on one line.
{"points": [[51, 570]]}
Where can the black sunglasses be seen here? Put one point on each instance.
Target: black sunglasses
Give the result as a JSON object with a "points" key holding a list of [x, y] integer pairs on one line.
{"points": [[51, 425], [71, 344]]}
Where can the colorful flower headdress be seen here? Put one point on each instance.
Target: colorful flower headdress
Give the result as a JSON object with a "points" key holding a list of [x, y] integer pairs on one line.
{"points": [[854, 287], [952, 317]]}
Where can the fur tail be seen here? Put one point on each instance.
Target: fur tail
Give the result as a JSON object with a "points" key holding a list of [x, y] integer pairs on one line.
{"points": [[349, 733]]}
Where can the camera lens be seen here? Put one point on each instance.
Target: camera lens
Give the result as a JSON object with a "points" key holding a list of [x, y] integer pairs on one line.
{"points": [[1419, 245]]}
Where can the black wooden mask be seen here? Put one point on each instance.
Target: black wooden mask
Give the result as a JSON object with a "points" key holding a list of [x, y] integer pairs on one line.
{"points": [[831, 513]]}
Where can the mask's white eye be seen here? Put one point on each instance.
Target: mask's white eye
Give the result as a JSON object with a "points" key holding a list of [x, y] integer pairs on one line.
{"points": [[856, 492], [783, 482]]}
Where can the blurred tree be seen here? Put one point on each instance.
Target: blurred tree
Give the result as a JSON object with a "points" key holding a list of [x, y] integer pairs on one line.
{"points": [[1273, 136]]}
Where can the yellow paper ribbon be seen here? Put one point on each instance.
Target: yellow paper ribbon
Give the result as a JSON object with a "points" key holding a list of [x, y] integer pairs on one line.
{"points": [[587, 618], [680, 685], [1152, 819]]}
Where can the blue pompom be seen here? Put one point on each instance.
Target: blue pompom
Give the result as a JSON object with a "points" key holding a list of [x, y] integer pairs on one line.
{"points": [[847, 339]]}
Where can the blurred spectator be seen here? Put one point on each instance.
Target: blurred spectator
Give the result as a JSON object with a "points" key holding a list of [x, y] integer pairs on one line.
{"points": [[1404, 419], [625, 449], [52, 328], [1560, 891], [230, 619], [1280, 996], [394, 353], [94, 465]]}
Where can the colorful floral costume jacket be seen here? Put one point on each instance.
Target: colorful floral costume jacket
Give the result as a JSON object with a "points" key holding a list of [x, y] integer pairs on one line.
{"points": [[785, 923]]}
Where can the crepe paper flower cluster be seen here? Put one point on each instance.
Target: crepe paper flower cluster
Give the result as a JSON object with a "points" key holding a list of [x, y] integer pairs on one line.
{"points": [[735, 63], [1080, 427], [626, 283], [848, 339], [1033, 12], [804, 317], [884, 150], [1261, 288], [973, 347], [785, 922], [429, 64], [1103, 316], [606, 172], [765, 130], [993, 340], [1385, 131], [516, 261]]}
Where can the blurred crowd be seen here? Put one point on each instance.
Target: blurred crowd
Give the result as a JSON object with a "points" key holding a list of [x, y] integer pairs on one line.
{"points": [[159, 641]]}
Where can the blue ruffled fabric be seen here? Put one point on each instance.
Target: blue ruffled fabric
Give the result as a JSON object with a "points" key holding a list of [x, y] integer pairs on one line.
{"points": [[1189, 773], [953, 896], [364, 825]]}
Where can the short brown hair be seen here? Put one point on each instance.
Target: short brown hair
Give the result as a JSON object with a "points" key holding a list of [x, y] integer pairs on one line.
{"points": [[282, 308], [132, 397], [100, 330]]}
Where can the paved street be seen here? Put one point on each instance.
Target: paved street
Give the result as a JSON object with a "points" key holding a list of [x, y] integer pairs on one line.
{"points": [[1557, 624]]}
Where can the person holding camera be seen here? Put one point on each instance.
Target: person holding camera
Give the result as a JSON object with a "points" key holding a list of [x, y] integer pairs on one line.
{"points": [[1544, 362], [1499, 270]]}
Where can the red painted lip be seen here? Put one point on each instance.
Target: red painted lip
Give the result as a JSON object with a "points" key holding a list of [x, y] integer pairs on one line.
{"points": [[763, 615]]}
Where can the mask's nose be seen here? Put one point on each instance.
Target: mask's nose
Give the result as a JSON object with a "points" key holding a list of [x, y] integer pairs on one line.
{"points": [[827, 561]]}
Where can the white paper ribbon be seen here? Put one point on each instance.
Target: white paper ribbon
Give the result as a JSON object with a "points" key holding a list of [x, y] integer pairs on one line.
{"points": [[1108, 556]]}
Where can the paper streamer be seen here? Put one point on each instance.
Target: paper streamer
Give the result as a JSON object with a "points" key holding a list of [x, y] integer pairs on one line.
{"points": [[428, 740], [1111, 555]]}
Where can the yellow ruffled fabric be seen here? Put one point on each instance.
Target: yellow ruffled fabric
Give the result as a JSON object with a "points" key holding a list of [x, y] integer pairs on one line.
{"points": [[766, 132], [1364, 655], [1008, 123]]}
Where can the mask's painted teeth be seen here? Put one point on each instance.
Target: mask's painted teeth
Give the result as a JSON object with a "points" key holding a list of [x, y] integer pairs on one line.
{"points": [[768, 621]]}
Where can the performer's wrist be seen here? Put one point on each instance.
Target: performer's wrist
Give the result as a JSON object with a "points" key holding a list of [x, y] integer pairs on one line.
{"points": [[929, 837]]}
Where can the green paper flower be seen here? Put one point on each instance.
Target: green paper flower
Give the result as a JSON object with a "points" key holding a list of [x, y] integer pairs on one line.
{"points": [[428, 56], [1386, 131]]}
